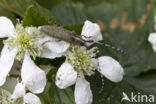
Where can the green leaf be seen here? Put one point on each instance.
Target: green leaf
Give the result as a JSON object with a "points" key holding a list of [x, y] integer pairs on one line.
{"points": [[144, 82], [77, 28], [53, 95], [37, 15], [69, 13], [112, 93]]}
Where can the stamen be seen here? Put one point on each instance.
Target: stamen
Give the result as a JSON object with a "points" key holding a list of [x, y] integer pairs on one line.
{"points": [[81, 59], [25, 42]]}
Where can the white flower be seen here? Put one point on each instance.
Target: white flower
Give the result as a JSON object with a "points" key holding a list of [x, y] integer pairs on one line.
{"points": [[29, 98], [21, 44], [19, 90], [7, 98], [18, 45], [81, 61], [152, 40]]}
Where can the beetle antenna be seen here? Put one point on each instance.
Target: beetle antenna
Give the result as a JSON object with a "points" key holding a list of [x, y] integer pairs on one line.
{"points": [[108, 46], [113, 47]]}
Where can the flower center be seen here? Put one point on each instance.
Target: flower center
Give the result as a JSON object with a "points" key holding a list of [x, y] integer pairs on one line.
{"points": [[25, 41], [81, 59]]}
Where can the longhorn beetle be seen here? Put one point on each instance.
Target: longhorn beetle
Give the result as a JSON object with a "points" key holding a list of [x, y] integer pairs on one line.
{"points": [[59, 32]]}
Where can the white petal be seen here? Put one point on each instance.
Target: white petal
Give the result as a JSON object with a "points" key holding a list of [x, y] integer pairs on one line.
{"points": [[19, 91], [33, 76], [6, 62], [6, 27], [31, 29], [91, 31], [31, 99], [110, 68], [58, 46], [83, 93], [54, 47], [50, 54], [45, 39], [152, 40], [66, 76]]}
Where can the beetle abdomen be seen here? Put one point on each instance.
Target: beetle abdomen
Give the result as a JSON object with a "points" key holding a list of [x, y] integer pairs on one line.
{"points": [[58, 32], [63, 34]]}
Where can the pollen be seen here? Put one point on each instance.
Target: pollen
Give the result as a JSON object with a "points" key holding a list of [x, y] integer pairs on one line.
{"points": [[81, 59], [25, 41]]}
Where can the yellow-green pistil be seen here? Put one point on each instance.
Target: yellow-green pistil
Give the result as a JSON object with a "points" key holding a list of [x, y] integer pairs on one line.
{"points": [[25, 41], [81, 59]]}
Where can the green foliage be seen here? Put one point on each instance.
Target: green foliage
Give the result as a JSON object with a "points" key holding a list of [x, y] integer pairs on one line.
{"points": [[37, 15], [53, 95], [69, 13], [112, 92]]}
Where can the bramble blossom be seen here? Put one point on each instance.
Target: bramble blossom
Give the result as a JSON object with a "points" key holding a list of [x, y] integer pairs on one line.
{"points": [[80, 62], [23, 43]]}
